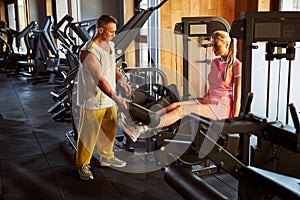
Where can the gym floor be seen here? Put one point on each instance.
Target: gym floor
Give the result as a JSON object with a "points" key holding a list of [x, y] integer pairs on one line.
{"points": [[37, 162]]}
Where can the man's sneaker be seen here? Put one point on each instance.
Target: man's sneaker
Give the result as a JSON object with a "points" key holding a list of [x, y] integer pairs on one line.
{"points": [[85, 172], [115, 162]]}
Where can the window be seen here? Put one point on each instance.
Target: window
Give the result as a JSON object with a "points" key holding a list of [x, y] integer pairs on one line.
{"points": [[149, 37], [290, 5], [17, 20]]}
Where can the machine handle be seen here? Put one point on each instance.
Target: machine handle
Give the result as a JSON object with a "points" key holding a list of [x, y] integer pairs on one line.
{"points": [[294, 117], [248, 103]]}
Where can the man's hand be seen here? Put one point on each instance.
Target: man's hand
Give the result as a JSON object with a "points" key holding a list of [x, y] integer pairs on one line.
{"points": [[121, 102]]}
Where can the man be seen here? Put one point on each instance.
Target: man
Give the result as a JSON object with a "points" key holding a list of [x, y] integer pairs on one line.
{"points": [[97, 99]]}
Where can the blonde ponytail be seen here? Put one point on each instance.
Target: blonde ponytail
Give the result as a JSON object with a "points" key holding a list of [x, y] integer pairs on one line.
{"points": [[231, 56]]}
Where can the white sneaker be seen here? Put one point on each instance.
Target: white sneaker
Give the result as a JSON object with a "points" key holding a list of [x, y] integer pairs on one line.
{"points": [[128, 129], [115, 162], [85, 172], [142, 130]]}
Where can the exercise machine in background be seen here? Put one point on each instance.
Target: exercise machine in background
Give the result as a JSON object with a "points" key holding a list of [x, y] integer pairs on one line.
{"points": [[17, 56], [41, 61], [70, 47], [273, 35], [48, 62]]}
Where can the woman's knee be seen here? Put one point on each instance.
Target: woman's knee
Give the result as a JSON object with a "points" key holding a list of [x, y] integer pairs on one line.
{"points": [[175, 105]]}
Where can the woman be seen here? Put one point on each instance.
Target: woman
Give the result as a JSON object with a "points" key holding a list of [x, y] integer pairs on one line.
{"points": [[223, 98]]}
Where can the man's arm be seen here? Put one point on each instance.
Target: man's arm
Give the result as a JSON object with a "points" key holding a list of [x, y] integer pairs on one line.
{"points": [[123, 82]]}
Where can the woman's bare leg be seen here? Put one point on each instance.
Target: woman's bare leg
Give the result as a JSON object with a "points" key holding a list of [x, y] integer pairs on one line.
{"points": [[173, 106], [182, 109], [168, 108]]}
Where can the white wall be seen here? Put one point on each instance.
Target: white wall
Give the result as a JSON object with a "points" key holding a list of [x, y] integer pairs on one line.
{"points": [[92, 9]]}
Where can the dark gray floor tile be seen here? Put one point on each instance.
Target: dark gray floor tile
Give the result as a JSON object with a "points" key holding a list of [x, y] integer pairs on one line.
{"points": [[67, 174], [15, 150], [24, 164], [56, 157], [18, 182], [142, 186], [9, 130], [95, 189], [47, 136], [35, 194]]}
